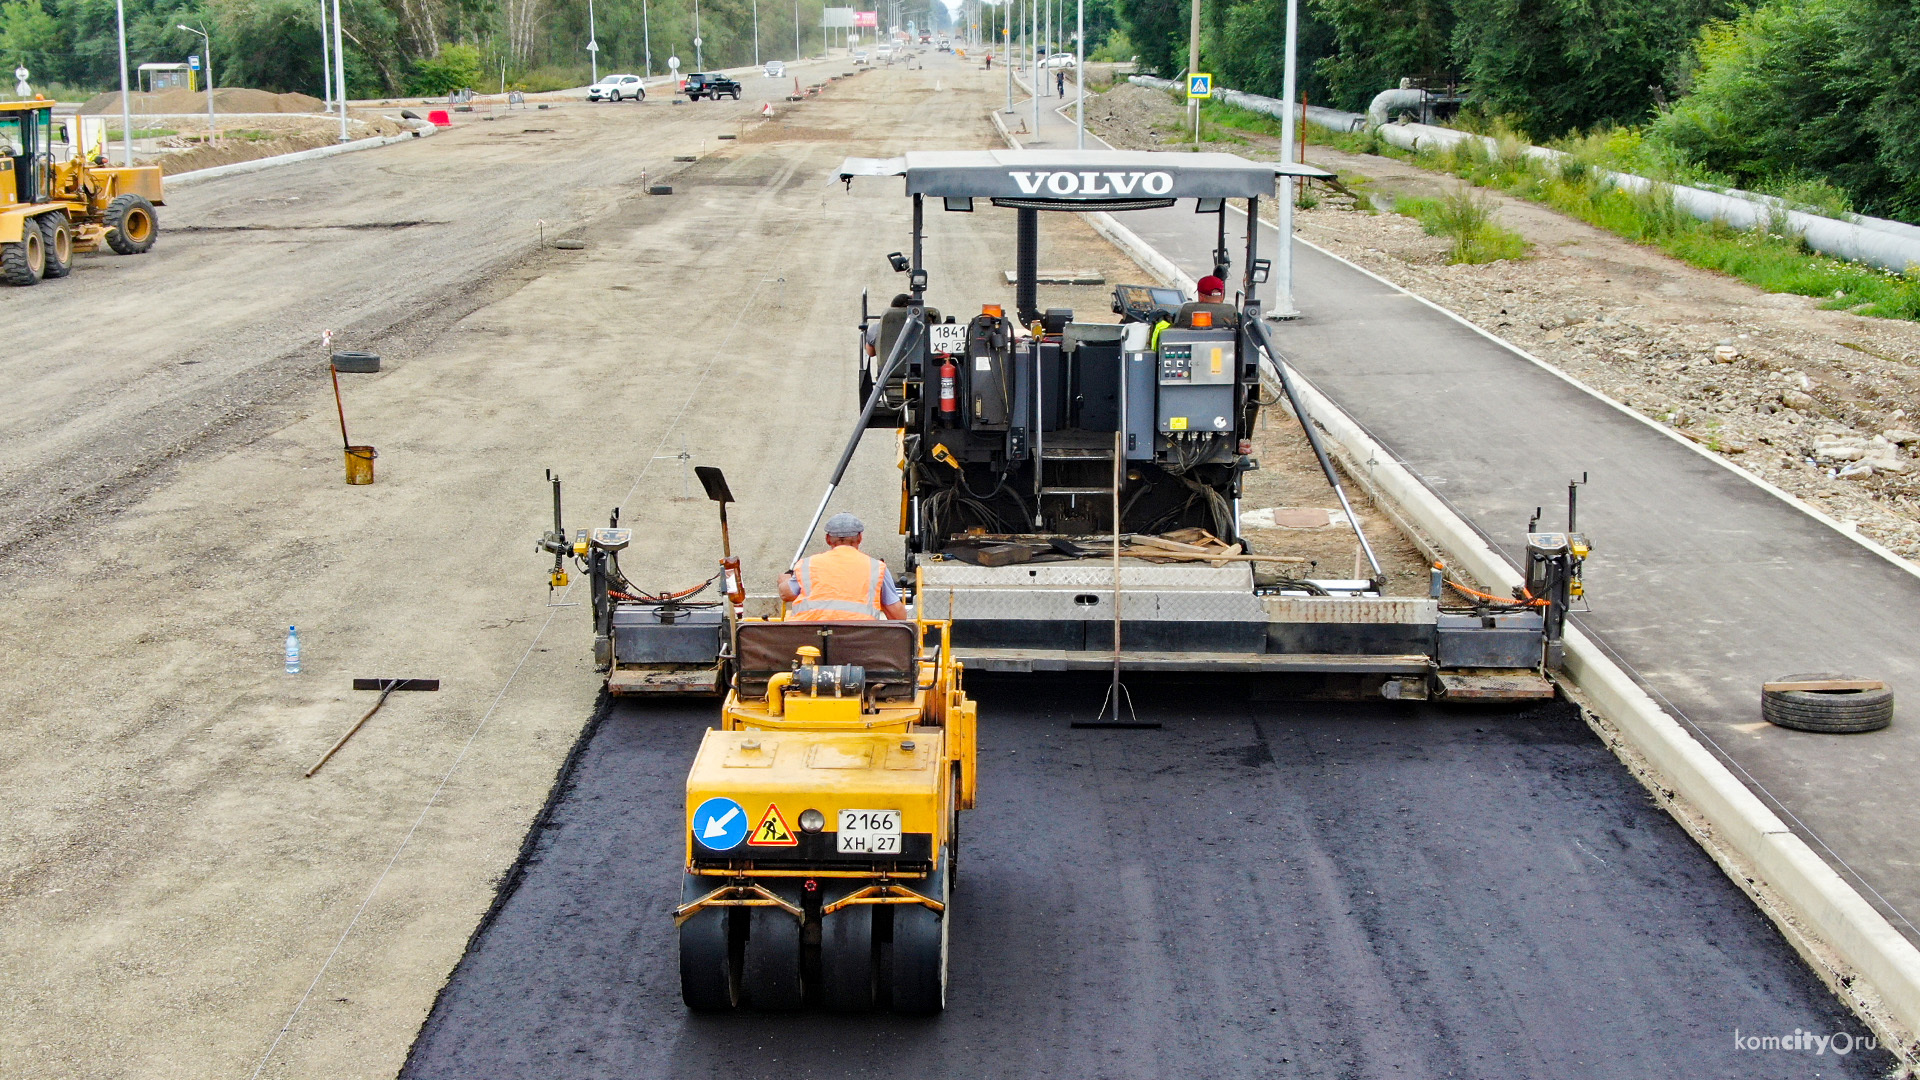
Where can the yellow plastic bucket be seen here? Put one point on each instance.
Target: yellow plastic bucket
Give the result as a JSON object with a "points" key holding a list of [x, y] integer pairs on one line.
{"points": [[360, 464]]}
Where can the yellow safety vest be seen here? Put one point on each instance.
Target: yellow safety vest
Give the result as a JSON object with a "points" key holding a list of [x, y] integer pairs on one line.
{"points": [[841, 584]]}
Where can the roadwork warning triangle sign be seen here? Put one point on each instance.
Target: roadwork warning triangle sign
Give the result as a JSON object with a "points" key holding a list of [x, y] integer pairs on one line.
{"points": [[772, 830]]}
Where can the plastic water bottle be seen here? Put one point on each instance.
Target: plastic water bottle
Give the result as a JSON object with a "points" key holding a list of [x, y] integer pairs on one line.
{"points": [[293, 651]]}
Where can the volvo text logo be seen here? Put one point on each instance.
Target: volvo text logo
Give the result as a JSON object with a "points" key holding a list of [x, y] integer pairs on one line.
{"points": [[1093, 183]]}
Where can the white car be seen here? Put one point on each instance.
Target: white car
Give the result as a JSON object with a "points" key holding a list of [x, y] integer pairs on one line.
{"points": [[617, 88], [1058, 60], [776, 70], [860, 57]]}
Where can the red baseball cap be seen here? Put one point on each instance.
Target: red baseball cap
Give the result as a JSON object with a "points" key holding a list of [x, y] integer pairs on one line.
{"points": [[1210, 284]]}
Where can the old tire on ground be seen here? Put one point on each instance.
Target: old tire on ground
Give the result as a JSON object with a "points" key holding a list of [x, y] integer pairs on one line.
{"points": [[1830, 712], [132, 226], [920, 950], [846, 959], [57, 232], [22, 262], [707, 978], [770, 974]]}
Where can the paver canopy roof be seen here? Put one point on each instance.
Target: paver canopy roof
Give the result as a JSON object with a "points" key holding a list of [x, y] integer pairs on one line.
{"points": [[1078, 175]]}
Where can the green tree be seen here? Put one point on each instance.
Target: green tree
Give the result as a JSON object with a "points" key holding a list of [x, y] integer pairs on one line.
{"points": [[1558, 65], [1158, 29], [1376, 43], [453, 67], [1251, 51], [1884, 51]]}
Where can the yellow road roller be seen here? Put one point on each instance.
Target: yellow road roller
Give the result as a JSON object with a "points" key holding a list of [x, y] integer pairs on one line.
{"points": [[821, 820]]}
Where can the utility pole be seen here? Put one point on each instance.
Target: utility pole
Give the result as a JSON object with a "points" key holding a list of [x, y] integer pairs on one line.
{"points": [[700, 63], [1283, 306], [646, 38], [1193, 65], [756, 33]]}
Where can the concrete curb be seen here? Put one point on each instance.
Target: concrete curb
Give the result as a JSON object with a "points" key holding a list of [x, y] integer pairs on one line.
{"points": [[1866, 962], [238, 168]]}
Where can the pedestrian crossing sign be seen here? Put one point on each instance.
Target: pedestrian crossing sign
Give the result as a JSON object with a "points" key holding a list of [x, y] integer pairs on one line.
{"points": [[1200, 85]]}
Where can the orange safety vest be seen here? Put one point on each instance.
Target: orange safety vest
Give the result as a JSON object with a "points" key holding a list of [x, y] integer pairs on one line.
{"points": [[840, 584]]}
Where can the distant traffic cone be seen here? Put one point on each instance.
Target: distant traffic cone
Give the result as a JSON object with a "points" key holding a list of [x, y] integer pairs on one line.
{"points": [[766, 109]]}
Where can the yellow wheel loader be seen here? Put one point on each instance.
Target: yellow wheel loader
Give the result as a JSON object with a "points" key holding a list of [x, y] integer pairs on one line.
{"points": [[821, 820], [51, 209]]}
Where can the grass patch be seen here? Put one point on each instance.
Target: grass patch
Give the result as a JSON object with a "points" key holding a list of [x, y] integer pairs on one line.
{"points": [[1465, 218], [250, 134], [1775, 258], [143, 133]]}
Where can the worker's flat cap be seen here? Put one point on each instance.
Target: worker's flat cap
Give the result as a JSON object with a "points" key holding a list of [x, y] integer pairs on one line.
{"points": [[844, 525]]}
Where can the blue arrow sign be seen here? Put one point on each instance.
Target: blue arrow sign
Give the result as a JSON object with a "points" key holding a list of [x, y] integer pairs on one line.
{"points": [[1200, 85], [720, 824]]}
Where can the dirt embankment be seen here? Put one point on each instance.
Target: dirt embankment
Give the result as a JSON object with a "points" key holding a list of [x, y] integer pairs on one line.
{"points": [[226, 99], [251, 138], [1825, 404]]}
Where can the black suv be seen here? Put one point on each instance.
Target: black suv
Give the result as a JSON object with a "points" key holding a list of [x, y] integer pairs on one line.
{"points": [[711, 84]]}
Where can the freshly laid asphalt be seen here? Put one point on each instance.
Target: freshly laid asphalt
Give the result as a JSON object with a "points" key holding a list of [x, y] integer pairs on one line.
{"points": [[1257, 888], [1703, 584]]}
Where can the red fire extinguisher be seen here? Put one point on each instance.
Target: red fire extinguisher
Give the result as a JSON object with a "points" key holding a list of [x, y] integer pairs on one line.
{"points": [[949, 375]]}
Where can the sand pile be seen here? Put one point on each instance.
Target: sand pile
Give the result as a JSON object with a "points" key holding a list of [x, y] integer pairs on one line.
{"points": [[226, 99]]}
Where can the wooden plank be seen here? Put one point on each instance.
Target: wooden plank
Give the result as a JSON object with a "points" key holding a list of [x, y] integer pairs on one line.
{"points": [[1824, 684], [1518, 687]]}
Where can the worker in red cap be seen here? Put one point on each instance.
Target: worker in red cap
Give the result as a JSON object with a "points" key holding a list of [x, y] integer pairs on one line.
{"points": [[1212, 303]]}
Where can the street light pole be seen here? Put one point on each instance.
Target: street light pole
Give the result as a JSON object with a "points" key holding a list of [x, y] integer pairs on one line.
{"points": [[1006, 36], [326, 60], [340, 70], [1193, 65], [697, 61], [1080, 76], [126, 98], [593, 42], [1283, 307], [796, 34], [756, 33], [646, 37], [207, 63]]}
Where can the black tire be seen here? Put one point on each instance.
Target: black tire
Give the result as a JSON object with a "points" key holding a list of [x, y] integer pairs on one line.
{"points": [[614, 97], [707, 978], [920, 951], [770, 974], [57, 233], [22, 262], [846, 958], [132, 226], [639, 95], [1828, 712]]}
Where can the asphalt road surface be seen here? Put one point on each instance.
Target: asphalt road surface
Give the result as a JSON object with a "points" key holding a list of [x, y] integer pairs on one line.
{"points": [[1258, 888]]}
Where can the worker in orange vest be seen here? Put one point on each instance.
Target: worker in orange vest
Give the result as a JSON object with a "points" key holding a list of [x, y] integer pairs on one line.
{"points": [[841, 583]]}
